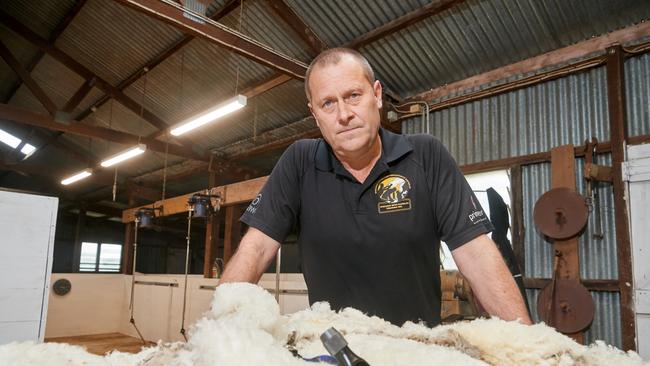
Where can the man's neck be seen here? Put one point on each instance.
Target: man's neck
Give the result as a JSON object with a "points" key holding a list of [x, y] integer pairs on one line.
{"points": [[360, 166]]}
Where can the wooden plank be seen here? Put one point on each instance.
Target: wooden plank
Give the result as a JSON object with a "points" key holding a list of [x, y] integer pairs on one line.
{"points": [[228, 245], [211, 235], [129, 238], [100, 344], [518, 230], [567, 256], [618, 128], [563, 175], [591, 285], [231, 194], [535, 64]]}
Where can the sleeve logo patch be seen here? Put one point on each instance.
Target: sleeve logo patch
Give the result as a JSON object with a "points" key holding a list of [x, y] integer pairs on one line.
{"points": [[392, 192], [253, 206]]}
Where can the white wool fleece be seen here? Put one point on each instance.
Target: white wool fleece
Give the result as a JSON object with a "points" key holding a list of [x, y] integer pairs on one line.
{"points": [[244, 327]]}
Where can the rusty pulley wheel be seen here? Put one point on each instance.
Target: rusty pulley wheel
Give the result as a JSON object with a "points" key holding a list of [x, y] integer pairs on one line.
{"points": [[566, 305], [561, 213]]}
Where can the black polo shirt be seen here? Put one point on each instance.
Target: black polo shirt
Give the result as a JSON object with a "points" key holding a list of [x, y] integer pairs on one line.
{"points": [[372, 245]]}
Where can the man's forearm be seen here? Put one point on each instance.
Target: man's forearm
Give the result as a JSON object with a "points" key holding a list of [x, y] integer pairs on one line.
{"points": [[482, 265], [255, 253]]}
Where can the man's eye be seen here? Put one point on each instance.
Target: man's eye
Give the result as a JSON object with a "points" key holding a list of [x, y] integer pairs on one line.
{"points": [[327, 104]]}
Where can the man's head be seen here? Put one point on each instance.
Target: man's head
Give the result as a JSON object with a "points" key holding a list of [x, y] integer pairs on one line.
{"points": [[345, 100]]}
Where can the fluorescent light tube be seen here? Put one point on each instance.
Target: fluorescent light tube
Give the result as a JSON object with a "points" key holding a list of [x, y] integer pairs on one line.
{"points": [[28, 149], [124, 155], [210, 115], [79, 176], [9, 139]]}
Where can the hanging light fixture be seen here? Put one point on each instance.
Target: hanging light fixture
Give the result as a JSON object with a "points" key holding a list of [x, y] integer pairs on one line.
{"points": [[124, 155], [210, 115], [77, 177]]}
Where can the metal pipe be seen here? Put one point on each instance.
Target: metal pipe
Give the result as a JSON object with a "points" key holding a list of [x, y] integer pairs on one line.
{"points": [[187, 262], [155, 283], [132, 301]]}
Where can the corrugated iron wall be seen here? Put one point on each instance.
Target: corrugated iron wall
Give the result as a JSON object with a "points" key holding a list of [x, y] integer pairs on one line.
{"points": [[536, 119]]}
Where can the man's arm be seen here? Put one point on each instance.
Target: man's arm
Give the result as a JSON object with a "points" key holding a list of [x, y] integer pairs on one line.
{"points": [[255, 253], [482, 265]]}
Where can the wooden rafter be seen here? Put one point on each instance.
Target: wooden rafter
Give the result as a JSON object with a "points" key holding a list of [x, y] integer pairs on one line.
{"points": [[402, 22], [221, 35], [81, 70], [51, 39], [27, 79], [34, 119], [284, 11]]}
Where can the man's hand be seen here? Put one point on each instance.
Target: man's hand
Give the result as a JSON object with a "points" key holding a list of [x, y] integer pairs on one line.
{"points": [[255, 253], [481, 263]]}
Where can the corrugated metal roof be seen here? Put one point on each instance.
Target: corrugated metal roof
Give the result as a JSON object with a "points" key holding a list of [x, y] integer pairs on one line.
{"points": [[471, 38], [525, 121], [42, 17], [21, 50], [113, 41], [637, 89], [259, 21]]}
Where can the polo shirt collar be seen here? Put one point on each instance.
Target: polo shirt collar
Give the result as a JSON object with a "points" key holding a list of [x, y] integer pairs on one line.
{"points": [[393, 146]]}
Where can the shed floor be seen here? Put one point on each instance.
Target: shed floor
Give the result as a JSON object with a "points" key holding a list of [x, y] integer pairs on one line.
{"points": [[100, 344]]}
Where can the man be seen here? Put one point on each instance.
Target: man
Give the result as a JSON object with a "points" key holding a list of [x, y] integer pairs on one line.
{"points": [[371, 208]]}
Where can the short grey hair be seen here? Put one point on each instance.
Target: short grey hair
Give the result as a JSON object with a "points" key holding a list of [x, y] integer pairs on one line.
{"points": [[332, 57]]}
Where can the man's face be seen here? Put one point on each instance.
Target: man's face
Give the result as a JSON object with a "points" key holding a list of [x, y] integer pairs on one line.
{"points": [[346, 106]]}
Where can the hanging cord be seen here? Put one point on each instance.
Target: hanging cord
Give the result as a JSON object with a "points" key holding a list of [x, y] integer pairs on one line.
{"points": [[110, 127], [255, 126], [132, 302], [187, 262], [164, 186], [144, 93], [241, 17]]}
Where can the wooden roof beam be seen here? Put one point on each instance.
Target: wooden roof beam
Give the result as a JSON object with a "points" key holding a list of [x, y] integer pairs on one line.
{"points": [[402, 22], [81, 70], [284, 11], [157, 60], [221, 35], [51, 39], [27, 79], [34, 119]]}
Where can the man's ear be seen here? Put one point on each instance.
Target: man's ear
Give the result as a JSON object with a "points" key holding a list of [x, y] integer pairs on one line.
{"points": [[311, 110], [376, 88]]}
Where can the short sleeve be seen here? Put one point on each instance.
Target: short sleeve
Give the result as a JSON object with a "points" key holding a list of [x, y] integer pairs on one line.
{"points": [[459, 215], [275, 209]]}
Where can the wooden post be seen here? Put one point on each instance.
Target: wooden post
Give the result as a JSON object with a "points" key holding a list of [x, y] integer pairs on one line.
{"points": [[618, 131], [211, 234], [518, 230], [232, 232], [563, 175], [81, 222], [129, 236]]}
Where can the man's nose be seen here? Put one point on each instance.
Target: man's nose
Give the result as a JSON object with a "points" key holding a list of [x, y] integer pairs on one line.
{"points": [[344, 113]]}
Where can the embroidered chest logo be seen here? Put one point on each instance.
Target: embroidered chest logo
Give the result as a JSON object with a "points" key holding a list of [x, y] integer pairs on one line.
{"points": [[392, 191]]}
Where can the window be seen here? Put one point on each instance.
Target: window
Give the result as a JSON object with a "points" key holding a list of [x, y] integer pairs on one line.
{"points": [[100, 257], [480, 182]]}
